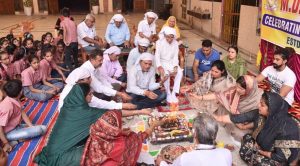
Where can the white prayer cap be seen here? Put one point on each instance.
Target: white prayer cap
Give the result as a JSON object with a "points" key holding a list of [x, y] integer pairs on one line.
{"points": [[144, 57], [117, 17], [151, 14], [169, 31], [77, 74], [113, 50], [143, 42]]}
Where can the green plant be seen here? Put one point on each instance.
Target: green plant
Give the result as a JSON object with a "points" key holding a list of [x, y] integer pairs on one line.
{"points": [[94, 2], [27, 3]]}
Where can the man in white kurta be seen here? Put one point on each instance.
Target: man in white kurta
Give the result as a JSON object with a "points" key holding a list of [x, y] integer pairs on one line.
{"points": [[167, 62], [146, 27], [97, 85], [83, 75], [135, 53], [141, 85]]}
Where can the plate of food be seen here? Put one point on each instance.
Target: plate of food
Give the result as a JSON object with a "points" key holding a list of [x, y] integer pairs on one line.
{"points": [[174, 129]]}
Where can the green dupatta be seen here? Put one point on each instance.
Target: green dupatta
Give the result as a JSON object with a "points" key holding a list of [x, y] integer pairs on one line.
{"points": [[71, 128], [236, 69]]}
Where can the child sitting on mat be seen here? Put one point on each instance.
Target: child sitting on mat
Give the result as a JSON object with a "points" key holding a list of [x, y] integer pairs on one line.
{"points": [[11, 130]]}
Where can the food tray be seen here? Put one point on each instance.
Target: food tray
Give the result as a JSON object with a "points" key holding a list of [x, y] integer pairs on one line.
{"points": [[176, 129]]}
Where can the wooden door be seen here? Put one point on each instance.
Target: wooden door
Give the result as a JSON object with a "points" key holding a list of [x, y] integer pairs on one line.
{"points": [[139, 5], [53, 7], [231, 19], [7, 7]]}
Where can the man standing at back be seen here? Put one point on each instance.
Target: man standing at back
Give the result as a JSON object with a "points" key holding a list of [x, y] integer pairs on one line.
{"points": [[70, 39]]}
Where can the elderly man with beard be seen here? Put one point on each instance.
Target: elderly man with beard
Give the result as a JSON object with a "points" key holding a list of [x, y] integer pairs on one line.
{"points": [[281, 78]]}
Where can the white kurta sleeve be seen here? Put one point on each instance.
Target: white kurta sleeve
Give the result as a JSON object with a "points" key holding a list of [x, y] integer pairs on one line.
{"points": [[175, 60], [102, 104], [132, 83], [98, 87], [153, 85], [157, 54]]}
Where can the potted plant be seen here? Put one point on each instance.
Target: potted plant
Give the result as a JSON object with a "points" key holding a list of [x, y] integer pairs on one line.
{"points": [[95, 6], [27, 7]]}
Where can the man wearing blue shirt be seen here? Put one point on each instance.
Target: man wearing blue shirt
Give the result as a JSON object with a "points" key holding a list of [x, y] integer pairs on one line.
{"points": [[204, 57], [117, 32]]}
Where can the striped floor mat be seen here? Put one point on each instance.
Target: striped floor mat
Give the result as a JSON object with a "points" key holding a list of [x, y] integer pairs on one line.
{"points": [[40, 113]]}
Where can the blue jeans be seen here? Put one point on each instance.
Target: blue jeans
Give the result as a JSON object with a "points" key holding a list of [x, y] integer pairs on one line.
{"points": [[38, 96], [55, 74], [188, 72], [57, 83], [22, 132], [145, 102]]}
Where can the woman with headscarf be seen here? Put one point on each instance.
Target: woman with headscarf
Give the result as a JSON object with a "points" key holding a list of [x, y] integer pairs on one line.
{"points": [[214, 81], [239, 104], [171, 22], [111, 145], [69, 134], [117, 32], [276, 140], [147, 27]]}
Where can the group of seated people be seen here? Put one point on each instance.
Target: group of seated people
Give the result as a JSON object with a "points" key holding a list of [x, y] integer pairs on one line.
{"points": [[94, 96]]}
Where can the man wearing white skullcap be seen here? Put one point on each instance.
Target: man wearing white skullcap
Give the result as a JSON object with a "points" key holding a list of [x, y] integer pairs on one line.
{"points": [[117, 32], [142, 47], [98, 84], [141, 85], [147, 27], [111, 69], [166, 58], [82, 75]]}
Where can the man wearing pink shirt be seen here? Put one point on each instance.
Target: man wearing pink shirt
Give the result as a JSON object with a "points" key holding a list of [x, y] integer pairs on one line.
{"points": [[70, 39]]}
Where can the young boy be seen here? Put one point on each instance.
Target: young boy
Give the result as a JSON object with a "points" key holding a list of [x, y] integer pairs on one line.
{"points": [[11, 116], [70, 39]]}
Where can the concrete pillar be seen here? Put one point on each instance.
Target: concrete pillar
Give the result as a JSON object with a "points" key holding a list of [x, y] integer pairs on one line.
{"points": [[101, 4], [110, 6], [36, 7]]}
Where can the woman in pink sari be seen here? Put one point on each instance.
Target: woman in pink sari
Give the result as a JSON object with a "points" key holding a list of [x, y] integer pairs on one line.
{"points": [[110, 145], [241, 104]]}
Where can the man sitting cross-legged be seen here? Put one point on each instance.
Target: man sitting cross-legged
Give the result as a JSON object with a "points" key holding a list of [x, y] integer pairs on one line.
{"points": [[141, 84]]}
